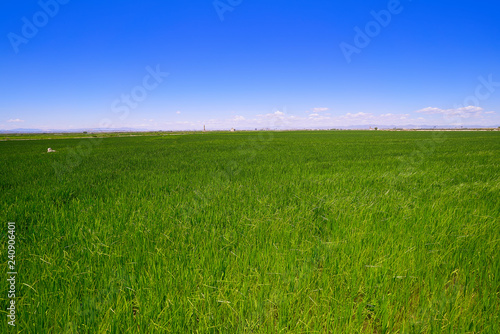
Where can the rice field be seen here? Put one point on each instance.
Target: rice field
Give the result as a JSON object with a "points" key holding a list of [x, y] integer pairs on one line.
{"points": [[255, 232]]}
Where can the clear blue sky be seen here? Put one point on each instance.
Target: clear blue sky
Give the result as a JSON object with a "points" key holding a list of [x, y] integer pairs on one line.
{"points": [[249, 63]]}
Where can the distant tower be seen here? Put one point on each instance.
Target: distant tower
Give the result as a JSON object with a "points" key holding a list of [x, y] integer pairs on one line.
{"points": [[204, 128]]}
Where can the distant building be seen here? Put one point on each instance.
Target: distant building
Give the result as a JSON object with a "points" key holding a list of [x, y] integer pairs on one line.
{"points": [[232, 130]]}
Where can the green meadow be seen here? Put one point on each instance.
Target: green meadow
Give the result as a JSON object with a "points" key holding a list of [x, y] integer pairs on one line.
{"points": [[254, 232]]}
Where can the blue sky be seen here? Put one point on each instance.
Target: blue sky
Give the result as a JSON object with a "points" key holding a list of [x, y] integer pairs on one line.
{"points": [[176, 64]]}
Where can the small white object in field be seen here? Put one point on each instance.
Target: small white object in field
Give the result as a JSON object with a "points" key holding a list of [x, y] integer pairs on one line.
{"points": [[50, 150]]}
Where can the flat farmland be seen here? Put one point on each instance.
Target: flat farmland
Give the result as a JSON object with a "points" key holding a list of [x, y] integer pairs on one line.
{"points": [[255, 232]]}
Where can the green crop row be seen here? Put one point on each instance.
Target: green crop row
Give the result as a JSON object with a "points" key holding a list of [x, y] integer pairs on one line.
{"points": [[255, 232]]}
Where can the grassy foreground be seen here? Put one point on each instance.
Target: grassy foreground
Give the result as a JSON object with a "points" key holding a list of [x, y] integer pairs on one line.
{"points": [[263, 232]]}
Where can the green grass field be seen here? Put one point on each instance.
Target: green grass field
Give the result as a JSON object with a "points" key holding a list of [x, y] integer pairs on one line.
{"points": [[255, 232]]}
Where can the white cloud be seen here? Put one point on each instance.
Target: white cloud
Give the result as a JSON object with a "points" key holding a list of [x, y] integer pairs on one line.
{"points": [[320, 109], [356, 115], [275, 115], [321, 120], [17, 120], [430, 110], [178, 112], [281, 119], [470, 111]]}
